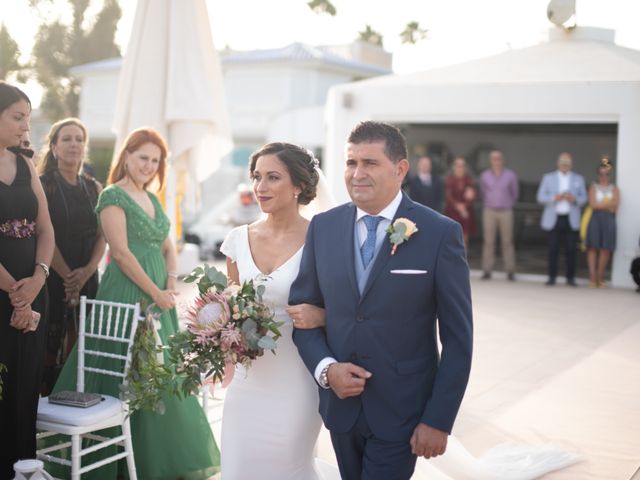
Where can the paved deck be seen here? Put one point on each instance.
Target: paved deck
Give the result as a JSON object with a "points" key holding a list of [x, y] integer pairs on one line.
{"points": [[551, 364]]}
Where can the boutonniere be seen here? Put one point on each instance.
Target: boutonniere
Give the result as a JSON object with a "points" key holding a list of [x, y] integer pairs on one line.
{"points": [[400, 231]]}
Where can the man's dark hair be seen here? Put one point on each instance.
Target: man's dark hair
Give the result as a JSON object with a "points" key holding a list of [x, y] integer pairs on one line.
{"points": [[395, 145]]}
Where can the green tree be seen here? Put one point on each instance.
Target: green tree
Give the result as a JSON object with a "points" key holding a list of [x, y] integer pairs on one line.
{"points": [[370, 35], [9, 54], [413, 33], [322, 6], [100, 40], [59, 46]]}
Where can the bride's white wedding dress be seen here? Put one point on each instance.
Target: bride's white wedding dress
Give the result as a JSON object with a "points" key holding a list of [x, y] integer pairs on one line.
{"points": [[270, 419]]}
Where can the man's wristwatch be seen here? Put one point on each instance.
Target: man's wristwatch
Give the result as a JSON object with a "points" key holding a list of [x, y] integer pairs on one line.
{"points": [[44, 267], [324, 381]]}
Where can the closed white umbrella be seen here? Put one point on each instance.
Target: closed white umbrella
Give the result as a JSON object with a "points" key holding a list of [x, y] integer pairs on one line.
{"points": [[171, 80]]}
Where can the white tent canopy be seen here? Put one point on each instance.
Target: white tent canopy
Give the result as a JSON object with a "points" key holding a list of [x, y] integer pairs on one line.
{"points": [[579, 76]]}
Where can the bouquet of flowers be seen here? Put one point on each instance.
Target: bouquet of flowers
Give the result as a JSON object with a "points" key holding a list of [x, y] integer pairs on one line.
{"points": [[227, 324]]}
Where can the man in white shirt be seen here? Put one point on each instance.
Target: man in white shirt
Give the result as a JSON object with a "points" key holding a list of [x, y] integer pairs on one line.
{"points": [[562, 193]]}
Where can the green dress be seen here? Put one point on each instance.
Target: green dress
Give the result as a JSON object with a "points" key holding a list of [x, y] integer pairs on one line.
{"points": [[178, 444]]}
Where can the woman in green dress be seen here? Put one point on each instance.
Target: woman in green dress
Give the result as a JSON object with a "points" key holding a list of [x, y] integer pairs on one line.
{"points": [[178, 444]]}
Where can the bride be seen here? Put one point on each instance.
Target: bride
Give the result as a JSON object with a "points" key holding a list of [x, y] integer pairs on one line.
{"points": [[270, 420]]}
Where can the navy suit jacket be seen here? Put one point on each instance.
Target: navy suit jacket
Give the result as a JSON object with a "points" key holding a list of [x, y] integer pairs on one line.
{"points": [[431, 196], [390, 329]]}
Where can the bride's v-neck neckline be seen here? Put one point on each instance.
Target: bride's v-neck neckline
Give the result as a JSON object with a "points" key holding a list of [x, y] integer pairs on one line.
{"points": [[253, 261]]}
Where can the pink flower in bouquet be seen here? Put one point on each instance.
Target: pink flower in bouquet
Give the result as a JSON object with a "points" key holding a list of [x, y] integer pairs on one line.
{"points": [[230, 337], [226, 325], [231, 291], [209, 314]]}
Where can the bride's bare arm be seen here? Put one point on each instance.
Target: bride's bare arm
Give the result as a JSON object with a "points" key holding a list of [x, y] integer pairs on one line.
{"points": [[306, 316], [232, 271]]}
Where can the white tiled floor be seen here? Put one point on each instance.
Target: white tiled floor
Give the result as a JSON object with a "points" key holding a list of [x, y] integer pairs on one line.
{"points": [[551, 364]]}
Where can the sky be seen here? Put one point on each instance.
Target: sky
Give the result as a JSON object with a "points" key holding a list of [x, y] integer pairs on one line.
{"points": [[458, 30]]}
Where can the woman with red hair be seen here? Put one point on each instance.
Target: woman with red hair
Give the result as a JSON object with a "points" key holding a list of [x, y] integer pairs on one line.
{"points": [[178, 443]]}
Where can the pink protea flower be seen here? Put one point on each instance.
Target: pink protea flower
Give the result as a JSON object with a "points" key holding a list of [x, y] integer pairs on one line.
{"points": [[209, 313]]}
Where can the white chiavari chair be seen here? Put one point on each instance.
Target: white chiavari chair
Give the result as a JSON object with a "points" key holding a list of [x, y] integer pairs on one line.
{"points": [[107, 323]]}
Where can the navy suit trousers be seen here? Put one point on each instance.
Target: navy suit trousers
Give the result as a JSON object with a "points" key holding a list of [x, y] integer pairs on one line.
{"points": [[362, 456]]}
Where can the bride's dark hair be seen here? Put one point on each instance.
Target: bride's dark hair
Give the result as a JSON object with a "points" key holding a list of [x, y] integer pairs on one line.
{"points": [[300, 163]]}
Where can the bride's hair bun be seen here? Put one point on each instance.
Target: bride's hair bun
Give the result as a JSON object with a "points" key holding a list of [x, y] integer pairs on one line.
{"points": [[300, 163]]}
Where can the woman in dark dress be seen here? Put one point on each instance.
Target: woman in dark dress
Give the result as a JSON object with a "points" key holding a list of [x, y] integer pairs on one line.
{"points": [[460, 196], [26, 249], [72, 198]]}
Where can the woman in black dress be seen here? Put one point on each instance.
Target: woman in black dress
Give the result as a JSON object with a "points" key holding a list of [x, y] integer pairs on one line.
{"points": [[72, 198], [26, 249]]}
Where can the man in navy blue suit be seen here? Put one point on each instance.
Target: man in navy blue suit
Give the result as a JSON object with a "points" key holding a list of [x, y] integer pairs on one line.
{"points": [[426, 187], [387, 394]]}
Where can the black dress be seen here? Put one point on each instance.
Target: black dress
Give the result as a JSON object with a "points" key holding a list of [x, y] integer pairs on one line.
{"points": [[21, 353], [75, 225]]}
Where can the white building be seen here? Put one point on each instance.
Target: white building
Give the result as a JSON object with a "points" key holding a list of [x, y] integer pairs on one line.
{"points": [[275, 94], [578, 92], [280, 94], [271, 94]]}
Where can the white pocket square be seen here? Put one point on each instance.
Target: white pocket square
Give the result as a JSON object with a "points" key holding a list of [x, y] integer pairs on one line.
{"points": [[408, 272]]}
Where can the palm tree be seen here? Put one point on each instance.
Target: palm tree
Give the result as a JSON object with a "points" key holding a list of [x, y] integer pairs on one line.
{"points": [[322, 6], [413, 33], [369, 35]]}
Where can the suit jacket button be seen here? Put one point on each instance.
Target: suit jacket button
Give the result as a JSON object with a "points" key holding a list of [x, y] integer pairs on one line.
{"points": [[353, 357], [359, 318]]}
